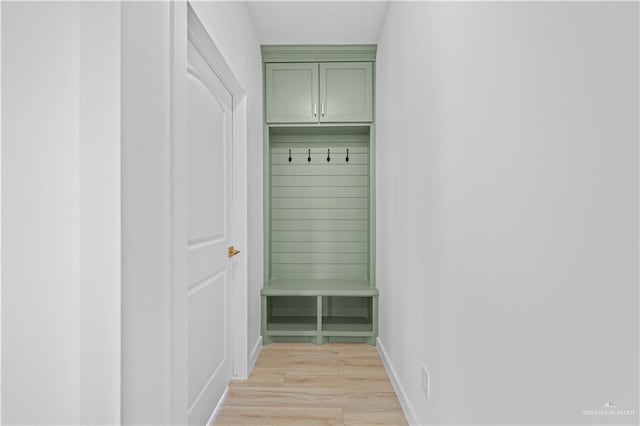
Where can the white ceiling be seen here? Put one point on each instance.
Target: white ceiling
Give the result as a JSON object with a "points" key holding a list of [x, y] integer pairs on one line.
{"points": [[318, 22]]}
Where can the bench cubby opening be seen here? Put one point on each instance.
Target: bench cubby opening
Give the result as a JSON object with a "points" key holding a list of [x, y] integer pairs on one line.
{"points": [[292, 313], [347, 314]]}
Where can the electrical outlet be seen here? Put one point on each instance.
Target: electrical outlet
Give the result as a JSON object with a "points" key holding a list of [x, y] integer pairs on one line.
{"points": [[426, 382]]}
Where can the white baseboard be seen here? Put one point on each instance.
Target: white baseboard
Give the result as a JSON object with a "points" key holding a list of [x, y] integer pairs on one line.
{"points": [[409, 412], [213, 415], [255, 352]]}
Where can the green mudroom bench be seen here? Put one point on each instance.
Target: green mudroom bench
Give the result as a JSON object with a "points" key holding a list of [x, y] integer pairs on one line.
{"points": [[319, 194]]}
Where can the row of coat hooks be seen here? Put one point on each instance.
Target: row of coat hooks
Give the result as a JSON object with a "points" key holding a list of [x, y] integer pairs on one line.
{"points": [[328, 155]]}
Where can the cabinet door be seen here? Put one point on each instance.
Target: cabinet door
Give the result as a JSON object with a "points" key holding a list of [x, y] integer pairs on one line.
{"points": [[346, 91], [292, 93]]}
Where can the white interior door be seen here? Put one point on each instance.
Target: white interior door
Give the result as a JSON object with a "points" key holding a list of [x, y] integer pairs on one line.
{"points": [[210, 272]]}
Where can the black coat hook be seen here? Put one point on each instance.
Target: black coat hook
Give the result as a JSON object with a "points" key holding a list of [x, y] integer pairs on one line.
{"points": [[309, 158], [289, 154], [347, 159], [328, 154]]}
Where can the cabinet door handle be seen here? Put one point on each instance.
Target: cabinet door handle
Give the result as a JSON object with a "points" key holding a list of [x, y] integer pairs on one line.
{"points": [[315, 110], [322, 107]]}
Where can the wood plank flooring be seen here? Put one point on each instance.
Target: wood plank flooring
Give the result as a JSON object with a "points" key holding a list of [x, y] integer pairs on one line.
{"points": [[304, 384]]}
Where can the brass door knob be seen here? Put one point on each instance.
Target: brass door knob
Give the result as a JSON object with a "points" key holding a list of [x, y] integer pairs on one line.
{"points": [[231, 251]]}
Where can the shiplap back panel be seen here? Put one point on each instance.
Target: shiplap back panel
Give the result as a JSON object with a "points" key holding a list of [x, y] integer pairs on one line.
{"points": [[320, 208]]}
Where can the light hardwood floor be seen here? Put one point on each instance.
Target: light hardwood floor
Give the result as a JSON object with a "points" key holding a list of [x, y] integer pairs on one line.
{"points": [[305, 384]]}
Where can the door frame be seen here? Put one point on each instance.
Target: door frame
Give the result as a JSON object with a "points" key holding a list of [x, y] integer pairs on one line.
{"points": [[185, 25]]}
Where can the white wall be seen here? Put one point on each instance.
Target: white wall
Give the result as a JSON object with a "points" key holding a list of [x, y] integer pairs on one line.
{"points": [[99, 248], [230, 26], [507, 210], [60, 273], [40, 290], [146, 260], [318, 22]]}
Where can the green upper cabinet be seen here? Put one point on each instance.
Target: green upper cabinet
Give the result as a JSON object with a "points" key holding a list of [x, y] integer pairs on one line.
{"points": [[346, 92], [292, 93], [345, 89]]}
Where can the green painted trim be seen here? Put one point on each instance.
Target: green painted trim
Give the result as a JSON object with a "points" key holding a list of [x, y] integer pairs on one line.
{"points": [[266, 202], [374, 316], [263, 326], [319, 314], [319, 124], [372, 199], [320, 334], [330, 287], [314, 339], [347, 333], [321, 132], [291, 333], [267, 291], [319, 53], [372, 207], [298, 339]]}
